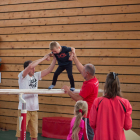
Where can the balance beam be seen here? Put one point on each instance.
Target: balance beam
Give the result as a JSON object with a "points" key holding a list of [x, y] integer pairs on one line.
{"points": [[37, 91]]}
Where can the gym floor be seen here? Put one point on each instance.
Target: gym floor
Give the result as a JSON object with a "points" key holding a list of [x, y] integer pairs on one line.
{"points": [[10, 135]]}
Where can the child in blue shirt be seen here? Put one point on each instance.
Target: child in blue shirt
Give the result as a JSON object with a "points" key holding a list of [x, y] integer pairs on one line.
{"points": [[64, 61]]}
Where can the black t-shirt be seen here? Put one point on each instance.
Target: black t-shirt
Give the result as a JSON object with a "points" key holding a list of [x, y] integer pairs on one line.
{"points": [[63, 56]]}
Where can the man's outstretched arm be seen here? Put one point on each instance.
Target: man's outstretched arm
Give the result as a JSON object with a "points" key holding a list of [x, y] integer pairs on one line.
{"points": [[33, 65], [79, 66], [74, 96], [49, 69]]}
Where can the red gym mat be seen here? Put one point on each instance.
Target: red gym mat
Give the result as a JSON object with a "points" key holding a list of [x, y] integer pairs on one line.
{"points": [[56, 127]]}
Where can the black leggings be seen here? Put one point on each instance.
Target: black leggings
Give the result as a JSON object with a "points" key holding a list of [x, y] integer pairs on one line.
{"points": [[59, 70]]}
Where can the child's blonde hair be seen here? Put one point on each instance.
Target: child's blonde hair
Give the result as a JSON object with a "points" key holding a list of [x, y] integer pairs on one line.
{"points": [[81, 108], [54, 44]]}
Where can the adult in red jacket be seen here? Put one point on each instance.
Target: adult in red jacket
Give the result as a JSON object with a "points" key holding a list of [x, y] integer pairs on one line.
{"points": [[88, 93], [110, 114]]}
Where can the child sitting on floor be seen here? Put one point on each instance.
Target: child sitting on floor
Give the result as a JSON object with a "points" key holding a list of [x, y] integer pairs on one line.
{"points": [[64, 61], [77, 124]]}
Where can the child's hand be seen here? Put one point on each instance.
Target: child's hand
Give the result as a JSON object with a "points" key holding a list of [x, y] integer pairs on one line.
{"points": [[46, 56], [71, 56], [72, 50], [51, 54], [66, 88]]}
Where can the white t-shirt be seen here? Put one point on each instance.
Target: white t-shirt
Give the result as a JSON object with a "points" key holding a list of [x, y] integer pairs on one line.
{"points": [[29, 83]]}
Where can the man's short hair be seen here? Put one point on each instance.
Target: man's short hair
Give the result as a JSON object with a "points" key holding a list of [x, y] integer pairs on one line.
{"points": [[54, 44], [26, 63], [90, 69]]}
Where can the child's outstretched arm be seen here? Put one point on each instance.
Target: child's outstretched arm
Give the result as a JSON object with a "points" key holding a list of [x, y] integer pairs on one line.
{"points": [[72, 54]]}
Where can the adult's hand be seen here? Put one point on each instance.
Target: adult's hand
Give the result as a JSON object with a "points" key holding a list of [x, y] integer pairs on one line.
{"points": [[46, 57], [66, 88], [74, 96], [74, 54]]}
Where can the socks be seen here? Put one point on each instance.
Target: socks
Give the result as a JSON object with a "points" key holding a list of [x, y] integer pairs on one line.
{"points": [[50, 87], [72, 89]]}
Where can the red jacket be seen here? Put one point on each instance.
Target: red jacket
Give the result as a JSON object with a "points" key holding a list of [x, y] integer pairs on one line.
{"points": [[108, 118]]}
